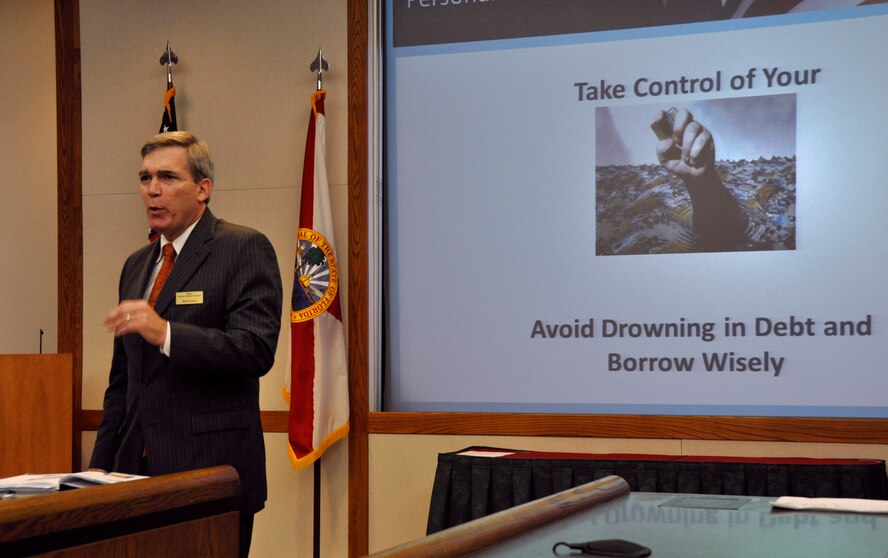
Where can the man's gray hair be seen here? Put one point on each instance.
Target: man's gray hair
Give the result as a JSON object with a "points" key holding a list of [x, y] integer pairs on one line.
{"points": [[199, 162]]}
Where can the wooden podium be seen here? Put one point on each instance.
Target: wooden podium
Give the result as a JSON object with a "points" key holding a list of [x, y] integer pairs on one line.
{"points": [[36, 414], [190, 514]]}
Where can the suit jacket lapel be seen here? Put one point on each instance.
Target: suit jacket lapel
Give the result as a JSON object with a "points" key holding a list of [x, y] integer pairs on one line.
{"points": [[133, 287], [187, 263]]}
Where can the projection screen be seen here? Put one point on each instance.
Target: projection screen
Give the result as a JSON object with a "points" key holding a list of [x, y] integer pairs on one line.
{"points": [[645, 207]]}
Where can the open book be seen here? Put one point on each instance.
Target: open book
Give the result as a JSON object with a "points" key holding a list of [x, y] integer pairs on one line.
{"points": [[31, 484]]}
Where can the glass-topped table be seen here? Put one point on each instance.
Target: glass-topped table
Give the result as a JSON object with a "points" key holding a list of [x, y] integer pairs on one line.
{"points": [[704, 526]]}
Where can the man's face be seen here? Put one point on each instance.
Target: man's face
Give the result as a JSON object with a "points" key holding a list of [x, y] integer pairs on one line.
{"points": [[173, 200]]}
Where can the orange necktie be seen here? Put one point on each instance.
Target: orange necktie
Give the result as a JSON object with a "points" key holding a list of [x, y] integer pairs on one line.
{"points": [[169, 256]]}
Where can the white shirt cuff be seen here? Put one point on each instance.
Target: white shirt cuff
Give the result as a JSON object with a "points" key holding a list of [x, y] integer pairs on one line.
{"points": [[165, 348]]}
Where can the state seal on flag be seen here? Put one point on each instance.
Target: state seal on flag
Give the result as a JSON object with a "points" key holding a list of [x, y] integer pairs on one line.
{"points": [[316, 276]]}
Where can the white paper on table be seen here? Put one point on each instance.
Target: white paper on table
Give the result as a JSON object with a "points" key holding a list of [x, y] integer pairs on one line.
{"points": [[859, 505]]}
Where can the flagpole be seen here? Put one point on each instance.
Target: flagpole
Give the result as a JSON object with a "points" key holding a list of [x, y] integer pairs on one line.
{"points": [[317, 509], [319, 65], [316, 388]]}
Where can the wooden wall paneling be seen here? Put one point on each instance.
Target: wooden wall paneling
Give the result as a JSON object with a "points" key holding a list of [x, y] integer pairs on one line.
{"points": [[358, 449], [770, 429], [70, 203], [762, 429]]}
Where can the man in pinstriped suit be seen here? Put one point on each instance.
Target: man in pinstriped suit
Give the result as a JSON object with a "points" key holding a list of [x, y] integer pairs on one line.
{"points": [[184, 382]]}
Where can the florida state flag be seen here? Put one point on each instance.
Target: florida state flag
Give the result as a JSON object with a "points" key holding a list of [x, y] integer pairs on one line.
{"points": [[317, 387]]}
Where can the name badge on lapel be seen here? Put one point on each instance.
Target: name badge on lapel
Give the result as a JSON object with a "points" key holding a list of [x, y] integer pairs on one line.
{"points": [[189, 297]]}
